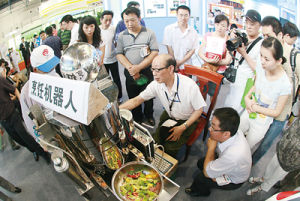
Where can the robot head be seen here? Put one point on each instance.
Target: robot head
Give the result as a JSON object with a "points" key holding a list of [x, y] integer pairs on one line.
{"points": [[80, 61]]}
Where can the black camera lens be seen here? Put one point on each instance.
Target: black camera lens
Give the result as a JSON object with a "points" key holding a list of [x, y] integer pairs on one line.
{"points": [[233, 43]]}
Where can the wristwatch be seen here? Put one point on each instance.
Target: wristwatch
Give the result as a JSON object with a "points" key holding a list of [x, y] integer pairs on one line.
{"points": [[185, 124]]}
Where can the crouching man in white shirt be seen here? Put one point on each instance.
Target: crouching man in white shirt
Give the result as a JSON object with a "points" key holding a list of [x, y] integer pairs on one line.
{"points": [[232, 167], [181, 99]]}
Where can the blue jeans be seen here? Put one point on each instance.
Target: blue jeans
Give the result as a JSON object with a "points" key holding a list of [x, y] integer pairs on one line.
{"points": [[274, 130]]}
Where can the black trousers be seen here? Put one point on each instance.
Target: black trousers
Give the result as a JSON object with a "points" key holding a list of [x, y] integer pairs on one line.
{"points": [[134, 90], [16, 130], [202, 184], [114, 70], [6, 185]]}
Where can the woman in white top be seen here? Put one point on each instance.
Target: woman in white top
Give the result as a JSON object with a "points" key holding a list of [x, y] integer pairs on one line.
{"points": [[267, 97], [90, 32]]}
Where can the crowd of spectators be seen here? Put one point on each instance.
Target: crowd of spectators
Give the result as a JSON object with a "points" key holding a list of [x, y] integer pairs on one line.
{"points": [[239, 135]]}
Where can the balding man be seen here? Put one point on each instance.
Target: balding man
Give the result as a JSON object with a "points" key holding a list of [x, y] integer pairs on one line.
{"points": [[181, 99]]}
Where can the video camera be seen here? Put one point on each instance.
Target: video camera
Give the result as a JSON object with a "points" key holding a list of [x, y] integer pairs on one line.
{"points": [[234, 43]]}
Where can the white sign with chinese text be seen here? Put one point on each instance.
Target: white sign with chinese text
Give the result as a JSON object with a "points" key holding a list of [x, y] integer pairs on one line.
{"points": [[67, 97]]}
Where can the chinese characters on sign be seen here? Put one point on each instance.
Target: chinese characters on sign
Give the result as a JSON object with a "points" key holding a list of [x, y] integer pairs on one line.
{"points": [[38, 88], [67, 97]]}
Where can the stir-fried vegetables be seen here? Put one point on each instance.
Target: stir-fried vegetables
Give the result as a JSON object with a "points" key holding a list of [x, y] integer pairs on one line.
{"points": [[140, 185], [113, 158]]}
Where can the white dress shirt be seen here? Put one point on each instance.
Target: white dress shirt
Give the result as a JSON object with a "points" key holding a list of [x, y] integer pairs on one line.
{"points": [[180, 42], [186, 101], [234, 159], [74, 34], [108, 36]]}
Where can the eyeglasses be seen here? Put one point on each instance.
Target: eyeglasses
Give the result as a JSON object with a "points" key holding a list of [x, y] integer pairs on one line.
{"points": [[212, 129], [158, 69]]}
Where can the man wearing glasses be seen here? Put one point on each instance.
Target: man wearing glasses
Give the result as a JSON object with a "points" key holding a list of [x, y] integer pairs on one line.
{"points": [[232, 167], [181, 99]]}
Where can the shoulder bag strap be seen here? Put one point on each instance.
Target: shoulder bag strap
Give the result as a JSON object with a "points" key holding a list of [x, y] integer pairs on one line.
{"points": [[249, 48]]}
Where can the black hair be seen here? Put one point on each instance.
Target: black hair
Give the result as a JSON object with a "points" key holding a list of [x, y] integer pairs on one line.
{"points": [[68, 18], [41, 32], [132, 10], [229, 119], [5, 66], [106, 12], [276, 48], [273, 22], [233, 26], [123, 14], [212, 13], [53, 26], [34, 35], [171, 61], [132, 3], [49, 31], [221, 17], [291, 29], [88, 20], [184, 8], [2, 61]]}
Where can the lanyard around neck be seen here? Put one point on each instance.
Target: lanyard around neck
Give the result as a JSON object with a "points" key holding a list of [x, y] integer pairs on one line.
{"points": [[176, 94]]}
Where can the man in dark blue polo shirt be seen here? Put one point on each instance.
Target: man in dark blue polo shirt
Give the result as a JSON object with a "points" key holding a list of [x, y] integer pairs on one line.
{"points": [[11, 120], [55, 43]]}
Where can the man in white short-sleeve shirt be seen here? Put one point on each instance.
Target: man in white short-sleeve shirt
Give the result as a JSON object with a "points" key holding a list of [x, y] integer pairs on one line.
{"points": [[232, 167], [181, 99], [250, 61], [108, 36], [181, 39]]}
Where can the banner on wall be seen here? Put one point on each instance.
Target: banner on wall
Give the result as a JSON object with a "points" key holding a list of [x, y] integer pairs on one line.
{"points": [[125, 2], [173, 4], [239, 1], [54, 8], [155, 8], [226, 10]]}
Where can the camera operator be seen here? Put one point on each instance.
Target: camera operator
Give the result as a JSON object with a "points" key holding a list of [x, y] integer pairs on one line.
{"points": [[247, 61]]}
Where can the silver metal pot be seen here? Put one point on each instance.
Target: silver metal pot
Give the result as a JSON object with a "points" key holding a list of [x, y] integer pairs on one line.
{"points": [[120, 174]]}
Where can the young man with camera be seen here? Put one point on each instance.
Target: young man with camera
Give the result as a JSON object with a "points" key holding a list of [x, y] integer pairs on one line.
{"points": [[247, 59]]}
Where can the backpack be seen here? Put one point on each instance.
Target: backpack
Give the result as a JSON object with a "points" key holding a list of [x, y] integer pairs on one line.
{"points": [[293, 56], [288, 148]]}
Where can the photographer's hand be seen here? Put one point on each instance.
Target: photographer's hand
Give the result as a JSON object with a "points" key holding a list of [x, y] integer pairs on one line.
{"points": [[242, 50]]}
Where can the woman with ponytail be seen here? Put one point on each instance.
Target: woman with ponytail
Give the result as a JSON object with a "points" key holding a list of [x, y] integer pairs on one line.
{"points": [[267, 97]]}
